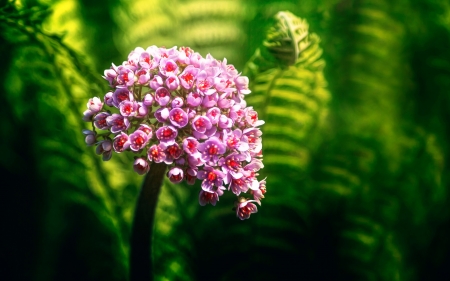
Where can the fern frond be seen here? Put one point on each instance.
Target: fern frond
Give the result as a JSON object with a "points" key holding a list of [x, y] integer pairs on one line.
{"points": [[57, 99], [207, 27], [290, 96]]}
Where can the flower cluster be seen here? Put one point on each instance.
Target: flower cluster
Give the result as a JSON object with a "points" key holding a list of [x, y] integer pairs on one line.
{"points": [[174, 106]]}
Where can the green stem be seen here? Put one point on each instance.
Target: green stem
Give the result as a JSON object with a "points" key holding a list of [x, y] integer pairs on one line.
{"points": [[141, 267]]}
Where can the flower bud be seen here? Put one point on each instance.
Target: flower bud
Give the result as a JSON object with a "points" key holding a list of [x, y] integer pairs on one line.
{"points": [[141, 166]]}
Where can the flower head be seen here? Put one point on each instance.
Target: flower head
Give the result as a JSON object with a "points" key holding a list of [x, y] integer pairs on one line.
{"points": [[177, 107]]}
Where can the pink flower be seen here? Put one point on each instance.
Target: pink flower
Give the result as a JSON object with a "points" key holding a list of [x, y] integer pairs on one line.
{"points": [[242, 84], [156, 154], [177, 102], [121, 142], [108, 99], [94, 104], [209, 197], [141, 166], [213, 115], [156, 82], [244, 208], [162, 96], [146, 129], [138, 140], [143, 76], [148, 100], [204, 83], [128, 108], [125, 76], [168, 67], [232, 164], [172, 152], [239, 185], [100, 121], [175, 175], [120, 95], [161, 114], [212, 149], [178, 117], [234, 140], [117, 122], [201, 124], [258, 194], [212, 179], [141, 111], [188, 112], [251, 117], [187, 78], [145, 60], [194, 99], [172, 82], [190, 145], [110, 75], [167, 134]]}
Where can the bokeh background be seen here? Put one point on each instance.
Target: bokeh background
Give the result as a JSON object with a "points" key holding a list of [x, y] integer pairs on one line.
{"points": [[356, 143]]}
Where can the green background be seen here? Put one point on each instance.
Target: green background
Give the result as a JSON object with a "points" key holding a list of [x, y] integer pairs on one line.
{"points": [[356, 153]]}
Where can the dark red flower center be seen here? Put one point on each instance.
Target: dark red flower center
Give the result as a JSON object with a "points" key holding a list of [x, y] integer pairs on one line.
{"points": [[173, 151], [177, 116], [199, 122], [212, 150], [166, 133], [238, 182], [122, 96], [233, 164], [232, 142], [176, 177], [207, 196], [211, 176], [188, 77], [170, 67], [127, 109], [119, 122], [139, 140], [155, 153], [203, 85]]}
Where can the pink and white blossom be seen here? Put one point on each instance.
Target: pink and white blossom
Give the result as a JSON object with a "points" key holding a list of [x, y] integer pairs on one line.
{"points": [[94, 104], [176, 107], [138, 139], [244, 208], [175, 175]]}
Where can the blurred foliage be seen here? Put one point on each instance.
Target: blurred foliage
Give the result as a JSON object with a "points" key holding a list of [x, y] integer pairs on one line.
{"points": [[355, 152]]}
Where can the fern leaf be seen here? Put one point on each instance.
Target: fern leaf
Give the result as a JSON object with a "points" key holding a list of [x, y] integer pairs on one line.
{"points": [[207, 27], [290, 96]]}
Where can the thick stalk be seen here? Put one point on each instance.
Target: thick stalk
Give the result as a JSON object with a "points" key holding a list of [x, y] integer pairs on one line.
{"points": [[141, 267]]}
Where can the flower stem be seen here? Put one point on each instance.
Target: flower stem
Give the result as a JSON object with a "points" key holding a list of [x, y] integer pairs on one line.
{"points": [[141, 233]]}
